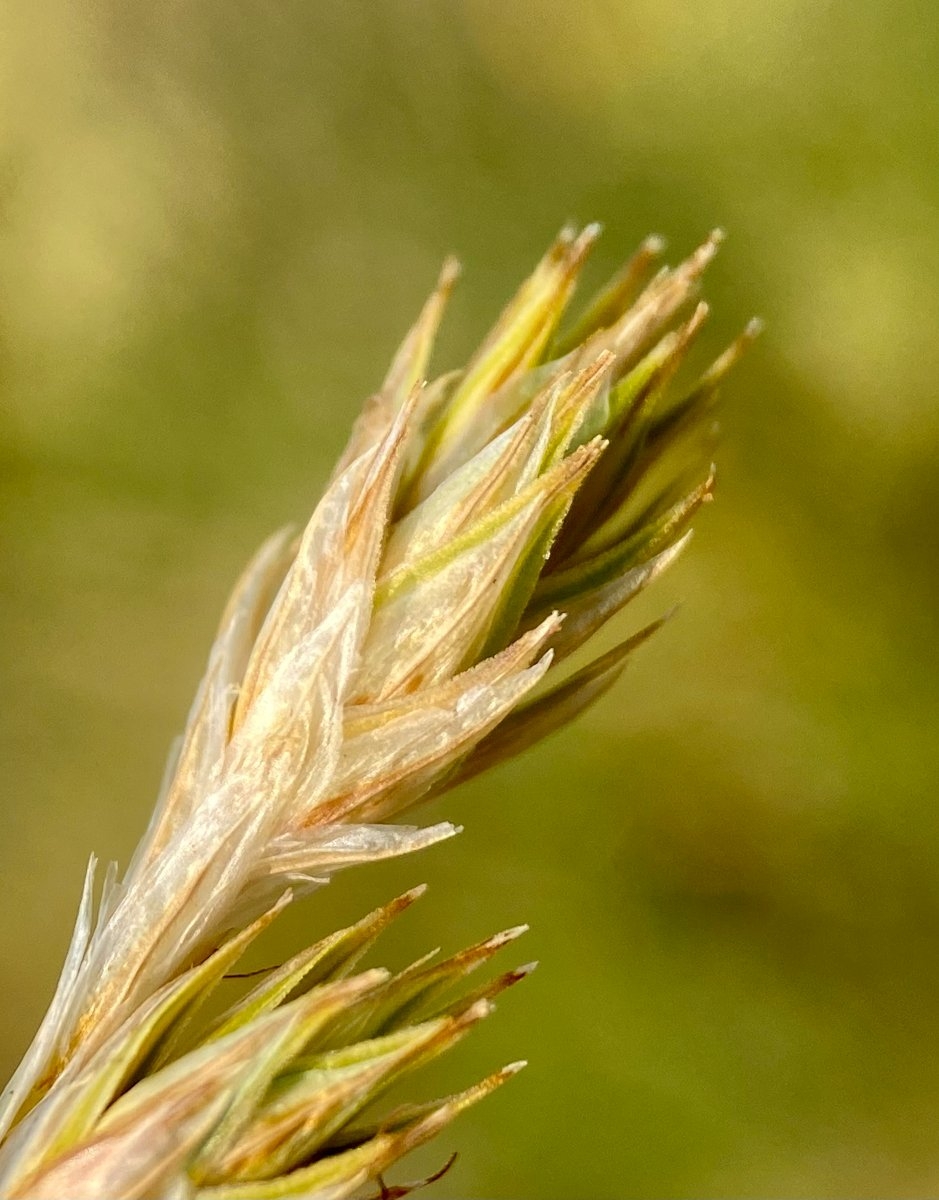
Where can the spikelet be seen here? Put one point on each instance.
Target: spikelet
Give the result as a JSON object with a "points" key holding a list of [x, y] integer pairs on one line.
{"points": [[477, 531]]}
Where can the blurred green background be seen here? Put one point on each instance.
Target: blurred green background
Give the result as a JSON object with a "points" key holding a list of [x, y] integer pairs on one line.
{"points": [[216, 220]]}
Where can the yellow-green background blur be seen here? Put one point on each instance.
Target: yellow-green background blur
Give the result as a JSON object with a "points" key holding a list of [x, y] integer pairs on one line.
{"points": [[216, 220]]}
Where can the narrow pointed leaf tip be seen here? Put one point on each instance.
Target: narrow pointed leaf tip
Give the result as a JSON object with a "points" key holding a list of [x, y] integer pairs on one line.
{"points": [[479, 528]]}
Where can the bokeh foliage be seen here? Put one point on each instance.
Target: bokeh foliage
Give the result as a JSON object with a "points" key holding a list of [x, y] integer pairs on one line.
{"points": [[217, 221]]}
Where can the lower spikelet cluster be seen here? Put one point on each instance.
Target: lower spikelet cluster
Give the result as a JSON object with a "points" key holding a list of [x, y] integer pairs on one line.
{"points": [[478, 530], [265, 1100]]}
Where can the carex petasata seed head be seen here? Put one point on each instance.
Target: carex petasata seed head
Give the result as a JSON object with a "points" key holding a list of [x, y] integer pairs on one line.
{"points": [[478, 529]]}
